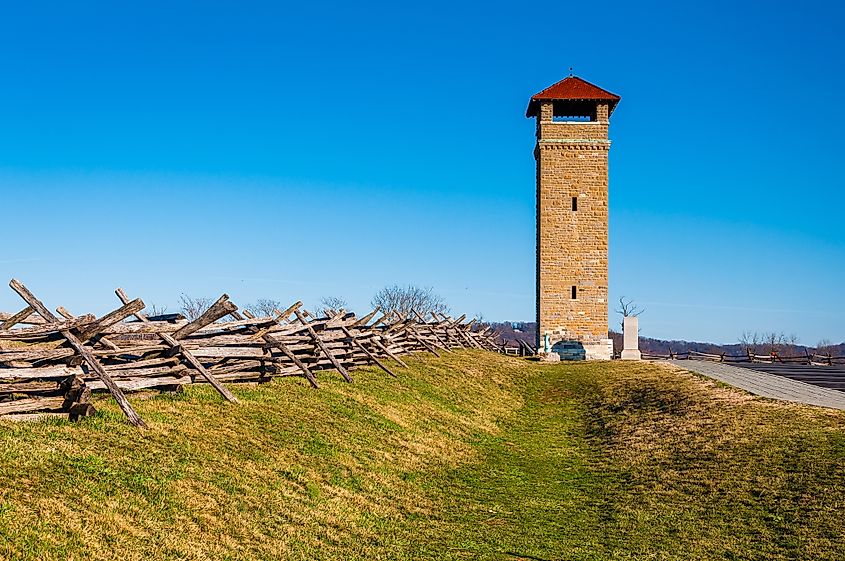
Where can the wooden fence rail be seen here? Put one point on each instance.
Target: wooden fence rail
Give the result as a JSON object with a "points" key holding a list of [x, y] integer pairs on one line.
{"points": [[814, 359], [50, 364], [521, 349]]}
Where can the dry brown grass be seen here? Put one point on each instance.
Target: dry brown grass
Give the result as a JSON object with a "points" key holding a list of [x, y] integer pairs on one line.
{"points": [[472, 456], [286, 472], [641, 413]]}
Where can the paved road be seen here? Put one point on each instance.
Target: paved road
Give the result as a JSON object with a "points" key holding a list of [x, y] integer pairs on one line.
{"points": [[832, 377], [766, 385]]}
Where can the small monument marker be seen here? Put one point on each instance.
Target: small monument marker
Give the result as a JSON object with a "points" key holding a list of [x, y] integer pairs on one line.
{"points": [[547, 355], [631, 338]]}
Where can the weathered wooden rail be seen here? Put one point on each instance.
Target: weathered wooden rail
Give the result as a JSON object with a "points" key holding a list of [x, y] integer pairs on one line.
{"points": [[521, 348], [50, 364], [810, 359]]}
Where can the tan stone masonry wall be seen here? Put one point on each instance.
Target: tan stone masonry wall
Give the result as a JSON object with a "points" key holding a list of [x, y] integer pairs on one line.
{"points": [[572, 245]]}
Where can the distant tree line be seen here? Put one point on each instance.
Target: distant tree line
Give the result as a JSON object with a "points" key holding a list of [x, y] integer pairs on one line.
{"points": [[755, 343], [399, 301], [405, 300]]}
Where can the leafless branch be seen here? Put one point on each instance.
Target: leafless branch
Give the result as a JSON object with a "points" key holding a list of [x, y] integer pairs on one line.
{"points": [[330, 305], [404, 299], [192, 308], [768, 342], [628, 308], [154, 310], [264, 307]]}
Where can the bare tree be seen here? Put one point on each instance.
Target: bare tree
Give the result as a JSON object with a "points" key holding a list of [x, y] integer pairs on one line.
{"points": [[404, 299], [331, 304], [750, 342], [153, 310], [772, 341], [628, 308], [192, 308], [825, 347], [264, 307], [778, 343], [769, 342], [480, 322]]}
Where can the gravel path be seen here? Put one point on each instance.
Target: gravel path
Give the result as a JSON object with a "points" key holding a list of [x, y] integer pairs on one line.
{"points": [[766, 385]]}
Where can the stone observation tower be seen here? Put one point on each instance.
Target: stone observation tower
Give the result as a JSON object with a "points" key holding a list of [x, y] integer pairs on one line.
{"points": [[573, 117]]}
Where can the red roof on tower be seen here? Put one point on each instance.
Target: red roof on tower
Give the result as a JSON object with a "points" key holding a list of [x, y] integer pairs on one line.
{"points": [[571, 88]]}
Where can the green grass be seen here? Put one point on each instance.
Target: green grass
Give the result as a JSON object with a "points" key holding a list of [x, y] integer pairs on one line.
{"points": [[472, 456]]}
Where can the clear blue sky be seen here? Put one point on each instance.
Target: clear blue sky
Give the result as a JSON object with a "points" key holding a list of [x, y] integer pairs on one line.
{"points": [[314, 149]]}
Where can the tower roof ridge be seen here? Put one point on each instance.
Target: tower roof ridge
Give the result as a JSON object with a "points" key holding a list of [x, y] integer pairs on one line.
{"points": [[572, 88]]}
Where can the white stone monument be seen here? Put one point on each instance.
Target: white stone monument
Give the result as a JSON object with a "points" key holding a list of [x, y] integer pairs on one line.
{"points": [[631, 337]]}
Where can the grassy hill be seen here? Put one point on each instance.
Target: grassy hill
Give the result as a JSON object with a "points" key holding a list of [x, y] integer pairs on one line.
{"points": [[471, 456]]}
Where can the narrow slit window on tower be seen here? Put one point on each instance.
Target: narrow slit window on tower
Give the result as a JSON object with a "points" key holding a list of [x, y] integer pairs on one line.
{"points": [[574, 203], [574, 292]]}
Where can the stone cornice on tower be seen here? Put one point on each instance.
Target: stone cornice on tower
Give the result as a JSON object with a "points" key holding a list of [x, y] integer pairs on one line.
{"points": [[584, 143]]}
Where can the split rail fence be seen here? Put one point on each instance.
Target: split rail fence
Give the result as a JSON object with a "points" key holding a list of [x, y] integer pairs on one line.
{"points": [[520, 348], [50, 364], [812, 359]]}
